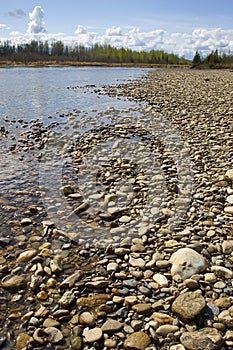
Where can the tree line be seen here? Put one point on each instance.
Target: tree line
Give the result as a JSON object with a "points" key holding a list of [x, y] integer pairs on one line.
{"points": [[39, 51], [213, 60]]}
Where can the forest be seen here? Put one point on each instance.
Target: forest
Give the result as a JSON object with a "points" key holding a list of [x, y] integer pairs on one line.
{"points": [[39, 51], [213, 60]]}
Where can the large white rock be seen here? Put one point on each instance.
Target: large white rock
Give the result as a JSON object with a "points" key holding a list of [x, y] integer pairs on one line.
{"points": [[229, 173], [185, 263]]}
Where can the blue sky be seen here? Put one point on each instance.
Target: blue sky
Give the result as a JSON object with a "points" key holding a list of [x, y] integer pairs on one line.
{"points": [[180, 26]]}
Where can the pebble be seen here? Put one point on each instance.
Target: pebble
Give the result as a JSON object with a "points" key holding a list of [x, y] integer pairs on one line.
{"points": [[188, 306], [139, 286], [54, 335], [139, 262], [222, 271], [165, 329], [93, 335], [162, 318], [112, 326], [13, 283], [161, 280], [141, 309], [27, 255], [205, 338], [185, 263], [86, 319], [137, 341], [112, 267], [23, 340]]}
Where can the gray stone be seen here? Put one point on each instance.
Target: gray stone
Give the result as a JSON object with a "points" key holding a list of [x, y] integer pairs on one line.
{"points": [[203, 339], [188, 306], [111, 326], [185, 263], [165, 329]]}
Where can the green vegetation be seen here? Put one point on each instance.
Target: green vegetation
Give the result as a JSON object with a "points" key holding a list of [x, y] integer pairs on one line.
{"points": [[213, 60], [58, 52]]}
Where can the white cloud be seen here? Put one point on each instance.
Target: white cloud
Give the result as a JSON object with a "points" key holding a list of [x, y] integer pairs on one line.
{"points": [[3, 26], [113, 31], [202, 39], [36, 23], [81, 30]]}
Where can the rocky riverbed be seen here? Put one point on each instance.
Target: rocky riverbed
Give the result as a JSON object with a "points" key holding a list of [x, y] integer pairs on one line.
{"points": [[140, 254]]}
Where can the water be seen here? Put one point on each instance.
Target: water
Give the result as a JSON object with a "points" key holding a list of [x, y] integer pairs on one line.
{"points": [[48, 95], [41, 92]]}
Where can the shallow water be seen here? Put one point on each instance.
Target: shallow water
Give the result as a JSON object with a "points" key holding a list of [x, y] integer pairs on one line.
{"points": [[50, 96]]}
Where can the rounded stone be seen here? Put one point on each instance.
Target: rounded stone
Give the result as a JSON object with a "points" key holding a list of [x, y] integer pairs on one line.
{"points": [[23, 340], [185, 263], [205, 338], [13, 283], [165, 329], [86, 318], [93, 335], [137, 341], [189, 306], [54, 335], [27, 255]]}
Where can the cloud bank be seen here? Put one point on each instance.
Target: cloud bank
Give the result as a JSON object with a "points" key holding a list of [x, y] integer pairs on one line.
{"points": [[184, 44]]}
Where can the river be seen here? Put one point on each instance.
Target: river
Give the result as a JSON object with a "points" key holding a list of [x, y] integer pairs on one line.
{"points": [[34, 99]]}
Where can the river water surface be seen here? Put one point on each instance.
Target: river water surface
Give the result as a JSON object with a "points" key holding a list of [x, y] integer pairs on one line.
{"points": [[44, 95]]}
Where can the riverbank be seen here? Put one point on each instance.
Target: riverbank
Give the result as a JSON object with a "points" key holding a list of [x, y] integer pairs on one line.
{"points": [[36, 64], [164, 288]]}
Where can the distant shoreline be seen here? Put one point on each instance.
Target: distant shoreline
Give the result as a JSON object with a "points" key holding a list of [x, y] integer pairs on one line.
{"points": [[38, 64]]}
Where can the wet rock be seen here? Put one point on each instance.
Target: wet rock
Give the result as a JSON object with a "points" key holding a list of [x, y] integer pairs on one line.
{"points": [[23, 340], [70, 280], [27, 255], [188, 306], [14, 283], [205, 338], [185, 263]]}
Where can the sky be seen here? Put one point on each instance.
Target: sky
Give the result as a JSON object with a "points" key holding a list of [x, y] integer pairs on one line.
{"points": [[178, 26]]}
